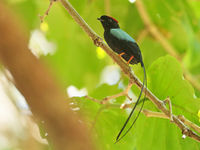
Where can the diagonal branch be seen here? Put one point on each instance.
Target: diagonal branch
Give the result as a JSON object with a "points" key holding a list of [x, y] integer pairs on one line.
{"points": [[153, 30], [189, 123], [126, 69], [147, 113]]}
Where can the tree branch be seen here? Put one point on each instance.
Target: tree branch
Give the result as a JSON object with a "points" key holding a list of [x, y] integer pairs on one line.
{"points": [[147, 113], [123, 93], [189, 123], [126, 69]]}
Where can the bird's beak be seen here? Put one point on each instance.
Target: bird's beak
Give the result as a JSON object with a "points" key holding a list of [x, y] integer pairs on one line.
{"points": [[99, 19]]}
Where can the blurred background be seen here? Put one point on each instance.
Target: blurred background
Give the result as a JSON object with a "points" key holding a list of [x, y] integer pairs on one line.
{"points": [[168, 34]]}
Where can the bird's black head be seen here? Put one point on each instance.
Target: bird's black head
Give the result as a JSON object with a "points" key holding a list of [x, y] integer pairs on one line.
{"points": [[108, 22]]}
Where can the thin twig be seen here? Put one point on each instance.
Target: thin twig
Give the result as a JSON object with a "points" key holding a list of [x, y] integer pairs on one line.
{"points": [[149, 113], [126, 69], [47, 11], [168, 101], [124, 93], [106, 99], [153, 30], [93, 99]]}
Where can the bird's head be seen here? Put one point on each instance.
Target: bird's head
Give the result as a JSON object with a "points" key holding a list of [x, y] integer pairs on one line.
{"points": [[108, 22]]}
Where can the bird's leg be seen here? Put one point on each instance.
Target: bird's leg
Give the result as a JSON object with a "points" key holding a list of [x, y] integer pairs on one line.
{"points": [[120, 55], [130, 60]]}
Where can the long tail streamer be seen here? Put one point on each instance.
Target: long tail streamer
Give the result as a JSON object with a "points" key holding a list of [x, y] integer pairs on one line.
{"points": [[119, 137]]}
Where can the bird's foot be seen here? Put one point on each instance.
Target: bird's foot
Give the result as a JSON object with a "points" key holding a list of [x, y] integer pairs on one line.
{"points": [[130, 60], [121, 54]]}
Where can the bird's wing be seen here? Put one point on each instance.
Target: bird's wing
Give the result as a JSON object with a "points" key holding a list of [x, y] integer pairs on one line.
{"points": [[124, 41], [122, 35]]}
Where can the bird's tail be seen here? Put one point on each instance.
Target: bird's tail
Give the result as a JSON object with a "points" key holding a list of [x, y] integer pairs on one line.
{"points": [[119, 137]]}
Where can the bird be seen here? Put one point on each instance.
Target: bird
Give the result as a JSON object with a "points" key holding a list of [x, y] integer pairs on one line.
{"points": [[127, 48]]}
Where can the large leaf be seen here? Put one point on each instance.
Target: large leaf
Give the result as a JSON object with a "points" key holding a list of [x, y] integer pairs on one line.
{"points": [[166, 79]]}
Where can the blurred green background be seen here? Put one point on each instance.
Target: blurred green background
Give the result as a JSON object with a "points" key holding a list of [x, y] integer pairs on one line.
{"points": [[84, 69]]}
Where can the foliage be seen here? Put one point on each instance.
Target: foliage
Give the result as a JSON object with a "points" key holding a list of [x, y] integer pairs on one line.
{"points": [[76, 62]]}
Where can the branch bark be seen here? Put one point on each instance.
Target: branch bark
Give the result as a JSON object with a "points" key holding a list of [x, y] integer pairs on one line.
{"points": [[43, 95], [126, 69], [189, 123]]}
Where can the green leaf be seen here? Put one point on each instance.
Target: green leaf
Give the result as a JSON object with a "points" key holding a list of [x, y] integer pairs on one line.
{"points": [[166, 79]]}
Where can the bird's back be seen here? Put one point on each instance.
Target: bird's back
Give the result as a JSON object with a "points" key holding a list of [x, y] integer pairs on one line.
{"points": [[120, 42]]}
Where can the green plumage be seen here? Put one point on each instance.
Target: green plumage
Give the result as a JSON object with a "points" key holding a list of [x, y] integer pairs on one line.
{"points": [[122, 35]]}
